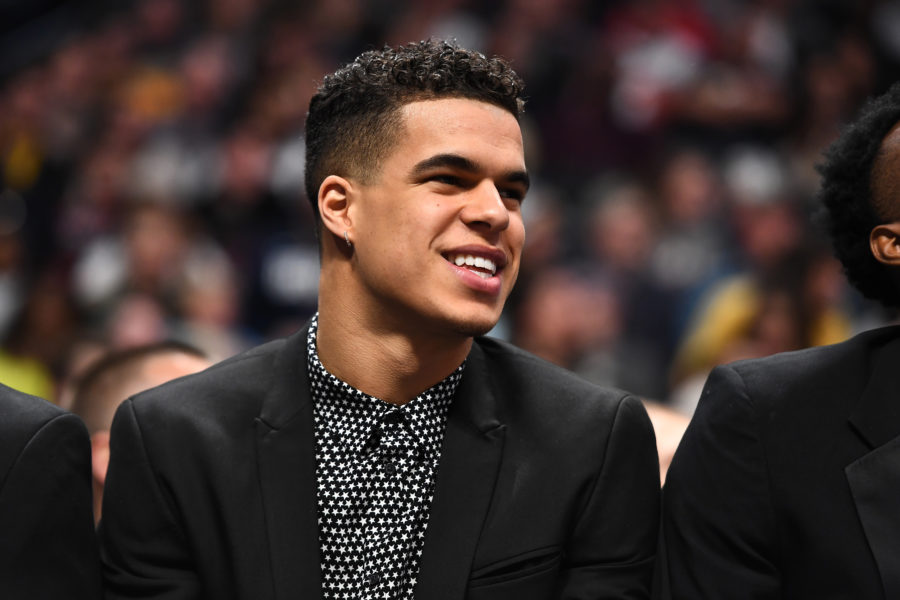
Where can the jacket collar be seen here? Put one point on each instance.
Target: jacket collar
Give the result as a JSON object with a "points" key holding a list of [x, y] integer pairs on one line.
{"points": [[469, 465], [874, 478], [876, 416], [286, 458]]}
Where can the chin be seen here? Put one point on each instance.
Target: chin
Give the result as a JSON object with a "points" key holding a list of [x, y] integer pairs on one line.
{"points": [[474, 327]]}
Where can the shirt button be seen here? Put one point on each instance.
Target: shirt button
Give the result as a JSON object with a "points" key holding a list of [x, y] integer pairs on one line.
{"points": [[390, 468], [395, 416], [374, 578]]}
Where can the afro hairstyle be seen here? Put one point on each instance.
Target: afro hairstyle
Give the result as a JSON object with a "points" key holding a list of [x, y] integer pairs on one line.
{"points": [[851, 210]]}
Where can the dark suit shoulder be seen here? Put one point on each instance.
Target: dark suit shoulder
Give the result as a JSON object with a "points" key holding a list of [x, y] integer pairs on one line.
{"points": [[552, 400], [49, 549], [232, 387], [821, 358], [22, 416], [20, 412], [835, 371], [541, 377]]}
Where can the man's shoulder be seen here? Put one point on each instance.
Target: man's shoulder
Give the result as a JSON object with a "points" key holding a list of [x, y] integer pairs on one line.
{"points": [[234, 386], [850, 358], [22, 414], [552, 411], [786, 388], [513, 363], [525, 382], [23, 417]]}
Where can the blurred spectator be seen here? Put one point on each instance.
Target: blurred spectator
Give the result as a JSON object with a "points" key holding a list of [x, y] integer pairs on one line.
{"points": [[33, 350], [787, 296], [622, 231], [117, 376], [565, 318], [694, 248]]}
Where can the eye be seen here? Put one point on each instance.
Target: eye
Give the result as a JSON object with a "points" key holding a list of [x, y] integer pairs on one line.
{"points": [[446, 179], [512, 193]]}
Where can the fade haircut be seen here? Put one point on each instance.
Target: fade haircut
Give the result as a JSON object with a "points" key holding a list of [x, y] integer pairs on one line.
{"points": [[355, 116], [97, 391], [860, 190]]}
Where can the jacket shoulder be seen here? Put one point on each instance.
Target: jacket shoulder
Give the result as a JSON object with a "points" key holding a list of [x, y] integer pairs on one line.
{"points": [[537, 374], [23, 412], [529, 386], [843, 361], [22, 417], [235, 386]]}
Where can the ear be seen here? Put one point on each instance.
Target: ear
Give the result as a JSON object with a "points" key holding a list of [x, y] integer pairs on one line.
{"points": [[100, 456], [885, 243], [335, 196]]}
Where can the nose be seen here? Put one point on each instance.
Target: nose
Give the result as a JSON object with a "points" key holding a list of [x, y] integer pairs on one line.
{"points": [[485, 208]]}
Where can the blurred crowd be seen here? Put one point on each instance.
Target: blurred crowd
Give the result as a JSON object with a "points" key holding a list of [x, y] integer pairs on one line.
{"points": [[151, 171]]}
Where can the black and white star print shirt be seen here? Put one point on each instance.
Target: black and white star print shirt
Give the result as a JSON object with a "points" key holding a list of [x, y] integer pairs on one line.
{"points": [[375, 468]]}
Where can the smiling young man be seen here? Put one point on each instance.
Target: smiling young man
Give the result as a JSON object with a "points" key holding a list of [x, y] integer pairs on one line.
{"points": [[386, 450]]}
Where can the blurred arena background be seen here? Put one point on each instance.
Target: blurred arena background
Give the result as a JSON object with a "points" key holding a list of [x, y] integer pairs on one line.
{"points": [[151, 168]]}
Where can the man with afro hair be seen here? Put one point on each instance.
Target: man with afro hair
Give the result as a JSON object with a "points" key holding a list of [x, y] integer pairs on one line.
{"points": [[787, 481], [387, 449]]}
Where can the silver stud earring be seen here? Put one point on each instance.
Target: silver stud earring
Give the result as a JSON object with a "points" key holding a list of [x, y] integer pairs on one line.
{"points": [[347, 239]]}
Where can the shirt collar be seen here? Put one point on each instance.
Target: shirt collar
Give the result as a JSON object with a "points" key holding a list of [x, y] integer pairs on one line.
{"points": [[351, 415]]}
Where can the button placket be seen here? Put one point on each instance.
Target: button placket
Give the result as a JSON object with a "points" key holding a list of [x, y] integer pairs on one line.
{"points": [[372, 522]]}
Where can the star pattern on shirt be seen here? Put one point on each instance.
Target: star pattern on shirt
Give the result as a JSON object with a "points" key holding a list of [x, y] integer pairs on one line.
{"points": [[375, 471]]}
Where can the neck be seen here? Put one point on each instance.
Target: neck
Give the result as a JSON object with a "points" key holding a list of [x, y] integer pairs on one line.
{"points": [[388, 360]]}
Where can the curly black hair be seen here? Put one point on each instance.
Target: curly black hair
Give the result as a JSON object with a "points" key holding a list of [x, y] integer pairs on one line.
{"points": [[855, 182], [354, 117]]}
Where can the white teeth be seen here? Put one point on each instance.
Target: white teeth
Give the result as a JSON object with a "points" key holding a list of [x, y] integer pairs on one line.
{"points": [[479, 262]]}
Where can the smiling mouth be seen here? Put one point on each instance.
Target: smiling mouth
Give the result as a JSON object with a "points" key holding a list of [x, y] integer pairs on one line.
{"points": [[483, 267]]}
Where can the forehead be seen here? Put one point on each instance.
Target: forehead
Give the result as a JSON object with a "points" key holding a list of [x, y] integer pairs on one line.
{"points": [[169, 365], [462, 126]]}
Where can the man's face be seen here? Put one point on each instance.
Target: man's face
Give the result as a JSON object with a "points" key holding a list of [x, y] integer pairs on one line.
{"points": [[448, 194]]}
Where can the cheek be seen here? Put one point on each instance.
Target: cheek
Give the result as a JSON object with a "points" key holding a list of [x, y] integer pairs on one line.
{"points": [[516, 233]]}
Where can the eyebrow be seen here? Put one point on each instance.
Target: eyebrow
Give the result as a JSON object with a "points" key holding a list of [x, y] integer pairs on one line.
{"points": [[462, 163]]}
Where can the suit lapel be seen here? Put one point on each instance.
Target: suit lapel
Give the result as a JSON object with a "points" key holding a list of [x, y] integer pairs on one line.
{"points": [[874, 479], [287, 475], [875, 484], [470, 460]]}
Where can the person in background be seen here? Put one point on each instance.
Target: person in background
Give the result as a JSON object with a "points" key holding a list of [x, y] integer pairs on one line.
{"points": [[785, 484], [117, 376]]}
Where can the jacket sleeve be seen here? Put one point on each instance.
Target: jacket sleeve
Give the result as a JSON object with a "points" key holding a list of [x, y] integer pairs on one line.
{"points": [[718, 530], [143, 546], [613, 543], [47, 543]]}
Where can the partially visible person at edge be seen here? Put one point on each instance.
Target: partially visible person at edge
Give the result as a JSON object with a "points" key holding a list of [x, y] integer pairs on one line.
{"points": [[47, 543], [786, 482], [387, 450]]}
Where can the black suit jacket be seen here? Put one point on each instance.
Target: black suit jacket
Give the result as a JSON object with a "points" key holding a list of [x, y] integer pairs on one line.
{"points": [[546, 483], [47, 544], [787, 481]]}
